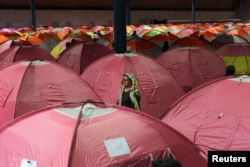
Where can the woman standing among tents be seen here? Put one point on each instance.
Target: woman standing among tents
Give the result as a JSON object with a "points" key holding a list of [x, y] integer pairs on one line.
{"points": [[129, 95]]}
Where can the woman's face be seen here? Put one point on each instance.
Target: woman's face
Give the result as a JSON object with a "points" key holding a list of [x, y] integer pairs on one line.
{"points": [[126, 81]]}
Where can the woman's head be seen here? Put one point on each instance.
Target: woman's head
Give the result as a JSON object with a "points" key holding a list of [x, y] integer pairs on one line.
{"points": [[129, 80], [126, 81]]}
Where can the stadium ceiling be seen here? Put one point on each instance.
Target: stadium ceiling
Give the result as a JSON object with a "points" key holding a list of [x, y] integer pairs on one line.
{"points": [[200, 5]]}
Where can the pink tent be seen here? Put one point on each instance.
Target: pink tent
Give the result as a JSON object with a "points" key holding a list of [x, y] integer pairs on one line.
{"points": [[16, 53], [192, 66], [214, 116], [92, 136], [79, 55], [157, 86], [29, 85]]}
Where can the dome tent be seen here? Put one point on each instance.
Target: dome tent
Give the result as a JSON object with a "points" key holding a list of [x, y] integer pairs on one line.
{"points": [[29, 85], [214, 116], [157, 87], [192, 66], [17, 53], [237, 55], [92, 136], [78, 55]]}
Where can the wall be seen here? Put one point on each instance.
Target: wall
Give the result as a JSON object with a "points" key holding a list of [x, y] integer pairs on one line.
{"points": [[74, 18]]}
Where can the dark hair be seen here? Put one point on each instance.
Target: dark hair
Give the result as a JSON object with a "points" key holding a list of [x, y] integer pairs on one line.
{"points": [[230, 70], [166, 162], [165, 46], [68, 44]]}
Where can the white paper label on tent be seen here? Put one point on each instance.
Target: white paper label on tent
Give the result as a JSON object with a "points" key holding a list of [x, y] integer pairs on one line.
{"points": [[117, 147], [28, 163]]}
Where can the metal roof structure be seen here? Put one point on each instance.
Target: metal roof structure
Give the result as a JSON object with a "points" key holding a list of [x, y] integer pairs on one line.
{"points": [[226, 5]]}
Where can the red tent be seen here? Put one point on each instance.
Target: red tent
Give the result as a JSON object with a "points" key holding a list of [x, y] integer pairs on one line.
{"points": [[192, 66], [92, 136], [193, 41], [7, 44], [16, 53], [157, 86], [142, 46], [161, 38], [29, 85], [215, 116], [79, 55]]}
